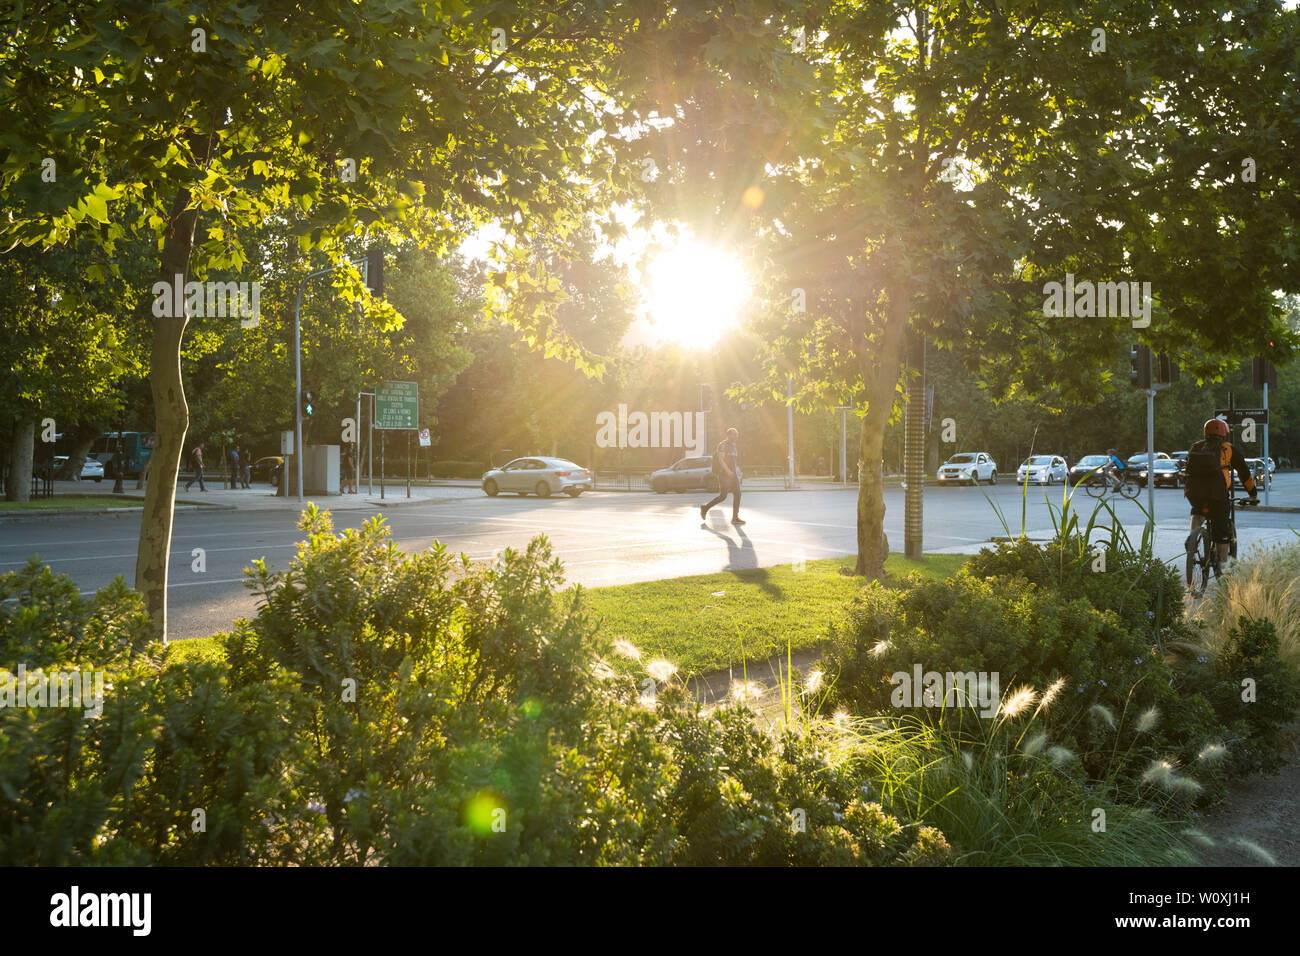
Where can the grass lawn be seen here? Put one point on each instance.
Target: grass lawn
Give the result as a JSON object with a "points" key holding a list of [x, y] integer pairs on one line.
{"points": [[706, 622], [72, 501], [687, 621]]}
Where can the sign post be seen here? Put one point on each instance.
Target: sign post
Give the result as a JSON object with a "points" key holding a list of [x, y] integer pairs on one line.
{"points": [[397, 406]]}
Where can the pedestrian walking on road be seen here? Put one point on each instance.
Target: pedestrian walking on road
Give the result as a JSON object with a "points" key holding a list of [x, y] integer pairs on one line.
{"points": [[726, 466], [197, 456], [349, 471]]}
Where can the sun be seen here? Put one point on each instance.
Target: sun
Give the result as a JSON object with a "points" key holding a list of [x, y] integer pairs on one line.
{"points": [[694, 293]]}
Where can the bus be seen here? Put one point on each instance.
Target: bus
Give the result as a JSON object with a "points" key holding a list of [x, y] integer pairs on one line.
{"points": [[136, 449]]}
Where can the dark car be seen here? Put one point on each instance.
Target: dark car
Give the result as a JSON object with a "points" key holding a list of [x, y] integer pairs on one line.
{"points": [[1168, 474], [1080, 469], [267, 469]]}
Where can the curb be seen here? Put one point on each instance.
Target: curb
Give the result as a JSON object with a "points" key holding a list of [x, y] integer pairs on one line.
{"points": [[21, 516]]}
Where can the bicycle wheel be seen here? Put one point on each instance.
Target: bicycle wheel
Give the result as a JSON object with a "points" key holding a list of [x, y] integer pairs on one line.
{"points": [[1096, 486], [1130, 488], [1199, 561]]}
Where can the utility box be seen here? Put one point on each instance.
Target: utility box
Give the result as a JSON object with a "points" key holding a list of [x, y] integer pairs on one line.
{"points": [[320, 471]]}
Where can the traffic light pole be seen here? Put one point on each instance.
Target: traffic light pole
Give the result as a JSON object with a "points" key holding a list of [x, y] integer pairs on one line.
{"points": [[1268, 479], [1151, 461]]}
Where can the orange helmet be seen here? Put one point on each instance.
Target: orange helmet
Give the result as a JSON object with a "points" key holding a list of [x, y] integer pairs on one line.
{"points": [[1216, 426]]}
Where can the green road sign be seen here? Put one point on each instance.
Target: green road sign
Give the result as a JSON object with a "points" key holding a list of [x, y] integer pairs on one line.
{"points": [[396, 405]]}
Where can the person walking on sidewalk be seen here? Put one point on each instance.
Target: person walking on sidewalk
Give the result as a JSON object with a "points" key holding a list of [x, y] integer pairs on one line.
{"points": [[727, 468], [246, 469], [197, 455]]}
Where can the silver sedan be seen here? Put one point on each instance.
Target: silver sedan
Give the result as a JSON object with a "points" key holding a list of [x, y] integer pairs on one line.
{"points": [[540, 476]]}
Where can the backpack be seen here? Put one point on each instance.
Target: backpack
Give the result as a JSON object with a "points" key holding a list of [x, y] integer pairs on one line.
{"points": [[1205, 466]]}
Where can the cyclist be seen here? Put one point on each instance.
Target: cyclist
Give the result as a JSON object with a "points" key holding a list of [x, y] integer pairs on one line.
{"points": [[1210, 463], [1115, 468]]}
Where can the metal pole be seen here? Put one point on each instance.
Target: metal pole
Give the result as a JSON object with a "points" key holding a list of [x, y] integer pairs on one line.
{"points": [[297, 388], [844, 447], [1268, 480], [382, 448], [1151, 460], [356, 444], [789, 424], [370, 450], [408, 463]]}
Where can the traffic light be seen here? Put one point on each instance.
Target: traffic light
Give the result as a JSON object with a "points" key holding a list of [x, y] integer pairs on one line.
{"points": [[1166, 369], [308, 406], [1139, 359], [1264, 372], [375, 270]]}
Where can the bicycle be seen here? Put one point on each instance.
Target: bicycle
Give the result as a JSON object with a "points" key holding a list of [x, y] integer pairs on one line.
{"points": [[1098, 483], [1203, 555]]}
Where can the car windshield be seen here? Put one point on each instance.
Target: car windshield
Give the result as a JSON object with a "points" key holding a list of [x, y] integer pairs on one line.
{"points": [[1039, 460], [960, 460], [1163, 465], [1092, 460]]}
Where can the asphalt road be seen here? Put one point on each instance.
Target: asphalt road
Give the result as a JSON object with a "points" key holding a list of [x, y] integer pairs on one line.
{"points": [[603, 538]]}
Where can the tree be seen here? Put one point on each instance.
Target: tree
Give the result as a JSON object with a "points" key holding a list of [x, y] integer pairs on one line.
{"points": [[960, 157], [202, 121]]}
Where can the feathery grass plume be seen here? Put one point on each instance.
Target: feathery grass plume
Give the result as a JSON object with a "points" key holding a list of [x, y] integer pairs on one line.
{"points": [[813, 682], [661, 670], [601, 671], [969, 760], [627, 649], [1147, 720], [1255, 850], [1198, 837], [840, 718], [882, 648], [743, 692], [1182, 786], [1265, 583], [1211, 753], [1049, 695], [1102, 713], [1060, 756], [1017, 702], [1158, 772], [1035, 744]]}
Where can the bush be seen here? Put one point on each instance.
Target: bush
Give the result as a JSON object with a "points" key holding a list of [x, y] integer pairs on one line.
{"points": [[384, 708], [1114, 702], [458, 469]]}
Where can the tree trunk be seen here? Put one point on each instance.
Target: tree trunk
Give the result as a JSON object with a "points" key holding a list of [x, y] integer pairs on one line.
{"points": [[21, 450], [78, 454], [171, 421], [883, 370]]}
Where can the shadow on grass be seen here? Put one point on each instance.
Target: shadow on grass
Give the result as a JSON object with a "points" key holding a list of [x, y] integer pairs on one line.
{"points": [[742, 560]]}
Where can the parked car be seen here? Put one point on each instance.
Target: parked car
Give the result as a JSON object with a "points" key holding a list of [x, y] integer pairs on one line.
{"points": [[969, 466], [267, 469], [540, 476], [1168, 474], [91, 468], [1080, 469], [1181, 458], [1272, 466], [1042, 470], [1258, 470], [684, 475]]}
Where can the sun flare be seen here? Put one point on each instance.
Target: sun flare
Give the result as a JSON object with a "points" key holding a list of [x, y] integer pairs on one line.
{"points": [[694, 293]]}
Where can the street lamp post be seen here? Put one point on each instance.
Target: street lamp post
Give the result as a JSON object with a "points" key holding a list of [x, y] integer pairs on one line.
{"points": [[117, 465], [297, 358]]}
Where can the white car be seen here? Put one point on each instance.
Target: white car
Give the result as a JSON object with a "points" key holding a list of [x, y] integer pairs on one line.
{"points": [[969, 466], [91, 468], [1042, 470], [540, 476]]}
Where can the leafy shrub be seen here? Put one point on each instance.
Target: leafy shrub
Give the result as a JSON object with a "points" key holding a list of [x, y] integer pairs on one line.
{"points": [[458, 469], [384, 708], [1116, 705], [1255, 718]]}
